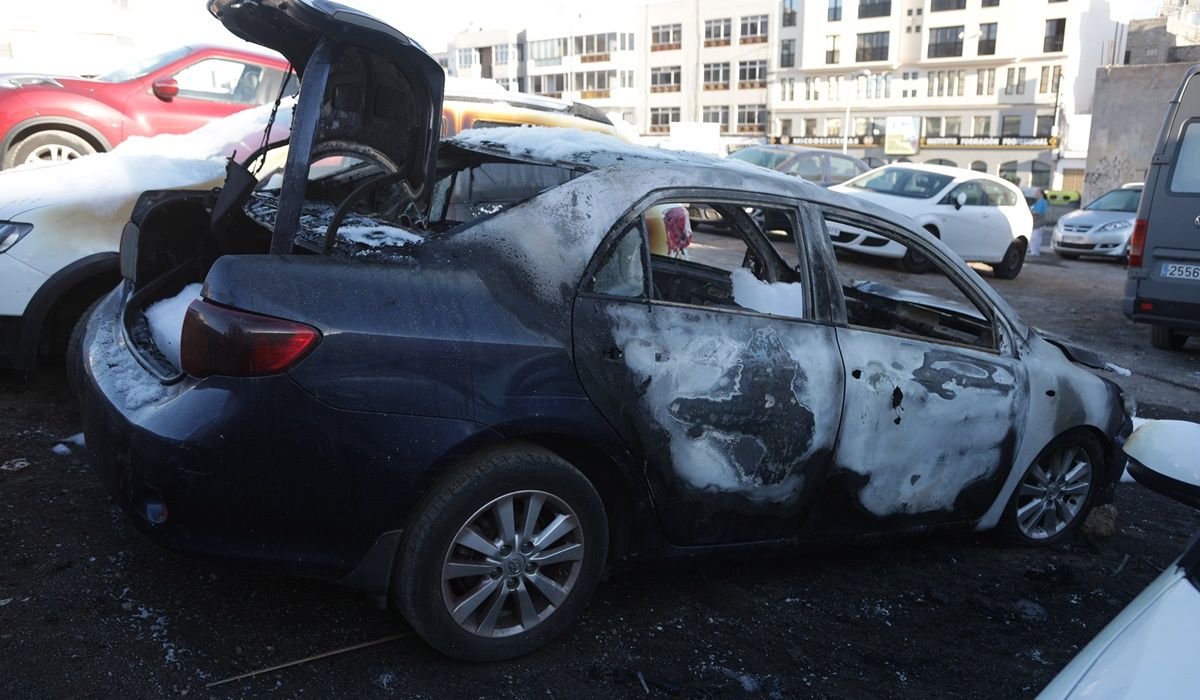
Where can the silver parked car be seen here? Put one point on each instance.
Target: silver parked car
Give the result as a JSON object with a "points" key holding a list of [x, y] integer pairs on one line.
{"points": [[1102, 227]]}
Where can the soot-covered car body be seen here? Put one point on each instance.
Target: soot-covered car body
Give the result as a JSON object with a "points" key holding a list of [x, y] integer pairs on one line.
{"points": [[472, 401]]}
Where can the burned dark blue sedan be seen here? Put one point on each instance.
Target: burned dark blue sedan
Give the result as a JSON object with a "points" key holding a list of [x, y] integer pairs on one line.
{"points": [[468, 377]]}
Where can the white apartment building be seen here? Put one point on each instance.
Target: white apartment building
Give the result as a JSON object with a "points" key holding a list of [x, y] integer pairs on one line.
{"points": [[1001, 86]]}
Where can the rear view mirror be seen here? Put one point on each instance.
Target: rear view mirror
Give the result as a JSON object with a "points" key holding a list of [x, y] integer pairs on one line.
{"points": [[960, 200], [1164, 456], [165, 89]]}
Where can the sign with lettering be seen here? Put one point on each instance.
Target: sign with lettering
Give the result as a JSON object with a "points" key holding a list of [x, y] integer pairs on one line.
{"points": [[902, 136]]}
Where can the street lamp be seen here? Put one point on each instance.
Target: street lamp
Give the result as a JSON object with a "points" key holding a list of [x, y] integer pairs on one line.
{"points": [[850, 101]]}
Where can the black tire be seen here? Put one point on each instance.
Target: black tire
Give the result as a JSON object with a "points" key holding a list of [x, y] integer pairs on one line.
{"points": [[1010, 523], [914, 262], [74, 354], [1165, 338], [459, 499], [71, 146], [1010, 266]]}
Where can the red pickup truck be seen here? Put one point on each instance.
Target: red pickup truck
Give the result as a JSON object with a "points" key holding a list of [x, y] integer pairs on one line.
{"points": [[48, 118]]}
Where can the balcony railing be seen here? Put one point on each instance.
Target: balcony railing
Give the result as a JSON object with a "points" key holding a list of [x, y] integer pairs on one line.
{"points": [[659, 128], [879, 53], [594, 94], [665, 88], [595, 57], [750, 128], [717, 42], [833, 56], [751, 84], [753, 39], [723, 85], [664, 47]]}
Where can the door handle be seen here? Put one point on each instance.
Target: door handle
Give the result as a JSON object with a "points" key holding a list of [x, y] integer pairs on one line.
{"points": [[613, 353]]}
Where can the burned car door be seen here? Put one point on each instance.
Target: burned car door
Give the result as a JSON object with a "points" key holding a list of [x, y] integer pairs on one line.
{"points": [[935, 398], [703, 350]]}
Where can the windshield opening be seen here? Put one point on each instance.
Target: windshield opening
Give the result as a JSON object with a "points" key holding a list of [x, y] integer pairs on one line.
{"points": [[144, 66], [1117, 200], [902, 182]]}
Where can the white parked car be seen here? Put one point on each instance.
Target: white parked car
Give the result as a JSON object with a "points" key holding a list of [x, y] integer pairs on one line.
{"points": [[979, 216]]}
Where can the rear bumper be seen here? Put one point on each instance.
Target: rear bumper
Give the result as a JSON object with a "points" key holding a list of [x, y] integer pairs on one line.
{"points": [[256, 471], [1178, 315]]}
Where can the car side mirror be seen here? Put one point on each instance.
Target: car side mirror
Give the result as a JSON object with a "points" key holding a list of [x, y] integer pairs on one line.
{"points": [[1163, 457], [960, 200], [165, 89]]}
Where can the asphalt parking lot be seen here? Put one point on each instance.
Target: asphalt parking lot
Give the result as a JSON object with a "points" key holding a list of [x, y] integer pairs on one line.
{"points": [[88, 607]]}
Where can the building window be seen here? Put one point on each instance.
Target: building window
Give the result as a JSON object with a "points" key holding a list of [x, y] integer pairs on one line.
{"points": [[1010, 125], [552, 85], [874, 8], [810, 127], [716, 76], [466, 58], [1051, 75], [593, 48], [1015, 85], [952, 126], [933, 126], [665, 79], [1056, 30], [872, 46], [752, 74], [1044, 126], [979, 166], [665, 37], [1040, 174], [627, 79], [945, 41], [1008, 171], [547, 52], [833, 126], [832, 55], [943, 5], [982, 126], [717, 32], [716, 114], [754, 30], [752, 119], [985, 81], [987, 39], [787, 89], [835, 11], [990, 3], [500, 54], [788, 13], [595, 84], [661, 118], [787, 53]]}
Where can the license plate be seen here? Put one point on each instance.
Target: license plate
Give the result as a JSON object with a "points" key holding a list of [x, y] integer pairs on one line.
{"points": [[1068, 238], [1180, 272]]}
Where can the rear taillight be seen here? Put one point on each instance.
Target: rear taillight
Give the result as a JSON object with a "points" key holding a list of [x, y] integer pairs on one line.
{"points": [[220, 340], [1137, 243]]}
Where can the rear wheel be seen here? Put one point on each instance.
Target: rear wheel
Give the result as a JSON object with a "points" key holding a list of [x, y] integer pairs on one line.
{"points": [[74, 354], [1165, 338], [1010, 266], [502, 555], [48, 147], [1055, 493]]}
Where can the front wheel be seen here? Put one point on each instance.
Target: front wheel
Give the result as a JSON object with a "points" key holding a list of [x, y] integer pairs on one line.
{"points": [[47, 147], [1010, 266], [915, 262], [1055, 494], [502, 555]]}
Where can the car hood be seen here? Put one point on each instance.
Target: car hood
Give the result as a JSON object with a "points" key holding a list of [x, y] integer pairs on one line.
{"points": [[384, 91], [1096, 217]]}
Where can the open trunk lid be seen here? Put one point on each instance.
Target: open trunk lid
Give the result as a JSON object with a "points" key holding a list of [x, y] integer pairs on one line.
{"points": [[364, 86]]}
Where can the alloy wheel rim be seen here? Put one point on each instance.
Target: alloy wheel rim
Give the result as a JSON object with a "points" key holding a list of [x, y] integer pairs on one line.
{"points": [[52, 153], [1053, 492], [512, 564]]}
